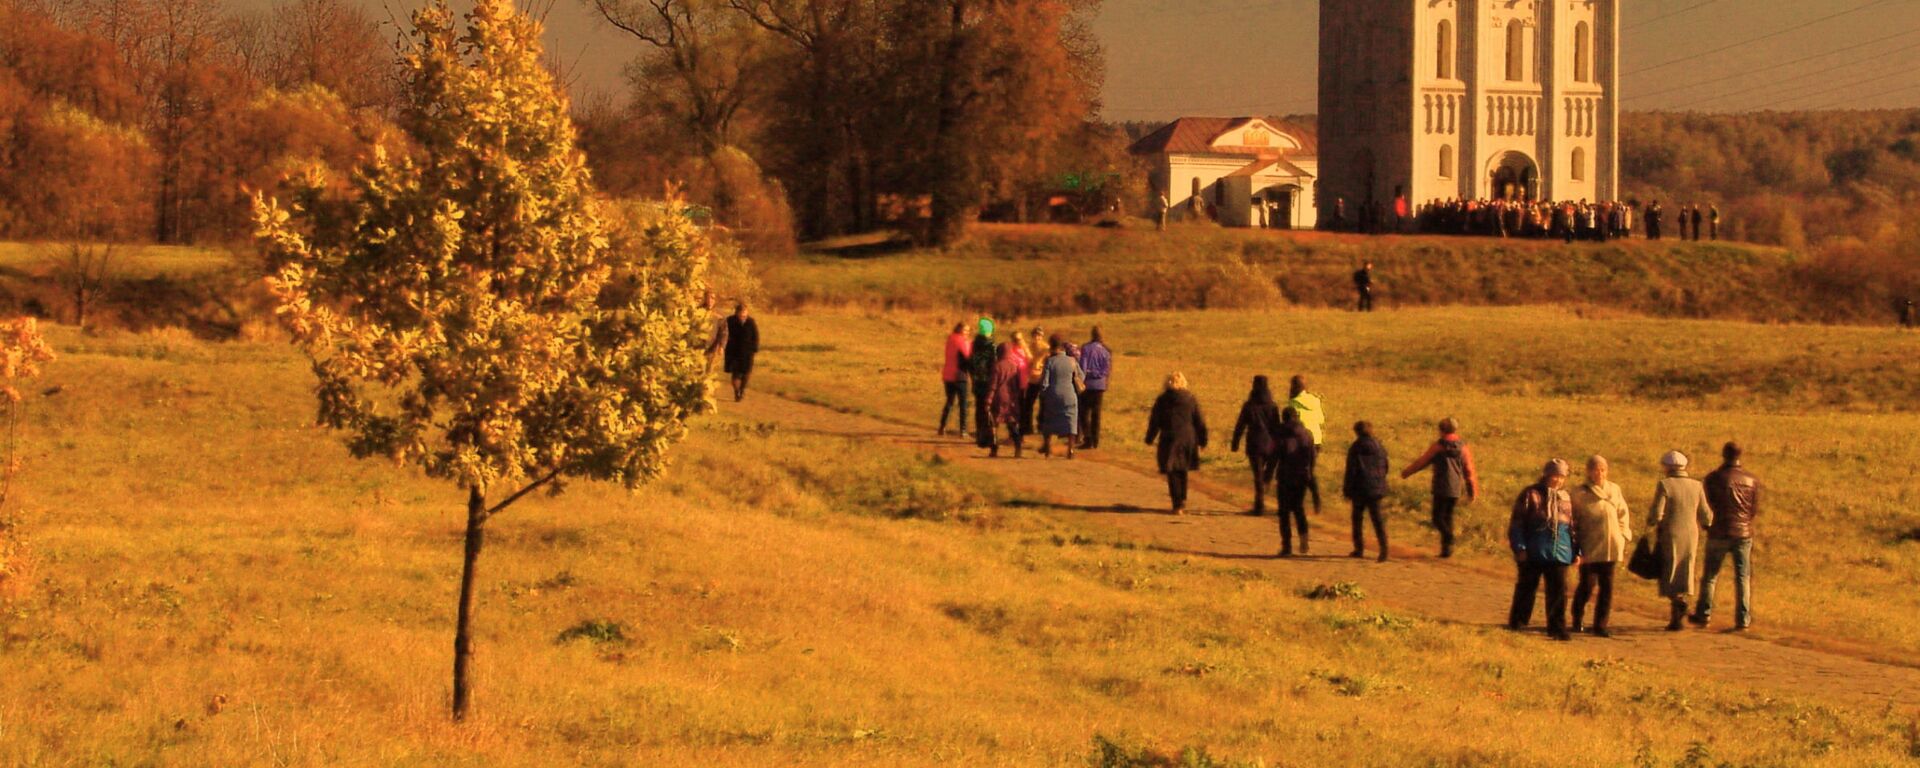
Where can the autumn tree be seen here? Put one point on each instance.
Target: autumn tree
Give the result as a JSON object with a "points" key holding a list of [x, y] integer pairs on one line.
{"points": [[472, 310], [703, 62], [22, 353]]}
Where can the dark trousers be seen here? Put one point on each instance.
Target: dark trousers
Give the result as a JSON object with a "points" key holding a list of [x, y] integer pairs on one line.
{"points": [[956, 393], [1029, 408], [1263, 467], [1594, 576], [1531, 574], [1177, 488], [982, 423], [1090, 417], [1443, 522], [1313, 480], [1291, 495], [1363, 509], [1366, 298]]}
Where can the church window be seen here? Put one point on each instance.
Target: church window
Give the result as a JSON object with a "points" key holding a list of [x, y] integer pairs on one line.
{"points": [[1446, 161], [1582, 53], [1579, 164], [1516, 51], [1443, 68]]}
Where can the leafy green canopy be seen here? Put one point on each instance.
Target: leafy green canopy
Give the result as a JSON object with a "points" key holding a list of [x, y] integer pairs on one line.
{"points": [[468, 304]]}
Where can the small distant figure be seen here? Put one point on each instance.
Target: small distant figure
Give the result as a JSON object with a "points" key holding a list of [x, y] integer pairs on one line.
{"points": [[1363, 285], [1259, 425], [1454, 478], [1060, 384], [1696, 223], [1679, 513], [1653, 217], [1366, 486], [1713, 222], [1540, 532], [981, 363], [1180, 431], [1292, 477], [1909, 315], [742, 344], [1604, 526], [953, 377], [1734, 495], [1004, 399], [1096, 364], [1313, 416], [1037, 350], [1165, 209]]}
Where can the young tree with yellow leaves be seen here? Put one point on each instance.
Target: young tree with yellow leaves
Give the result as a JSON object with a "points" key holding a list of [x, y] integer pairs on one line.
{"points": [[472, 310], [22, 352]]}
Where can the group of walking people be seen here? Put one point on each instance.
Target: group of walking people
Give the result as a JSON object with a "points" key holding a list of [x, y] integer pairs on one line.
{"points": [[1032, 380]]}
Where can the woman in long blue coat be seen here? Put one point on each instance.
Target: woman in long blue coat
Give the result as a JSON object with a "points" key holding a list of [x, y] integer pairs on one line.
{"points": [[1060, 383]]}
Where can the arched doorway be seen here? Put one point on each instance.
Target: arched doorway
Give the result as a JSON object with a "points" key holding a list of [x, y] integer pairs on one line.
{"points": [[1278, 202], [1513, 176]]}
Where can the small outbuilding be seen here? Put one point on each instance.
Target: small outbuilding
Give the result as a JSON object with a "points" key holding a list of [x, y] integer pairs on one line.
{"points": [[1238, 171]]}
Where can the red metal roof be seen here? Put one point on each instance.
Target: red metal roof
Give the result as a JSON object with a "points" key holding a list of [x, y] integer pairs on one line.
{"points": [[1196, 136]]}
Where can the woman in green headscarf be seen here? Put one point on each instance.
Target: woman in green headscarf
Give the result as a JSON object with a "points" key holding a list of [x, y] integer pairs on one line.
{"points": [[980, 373]]}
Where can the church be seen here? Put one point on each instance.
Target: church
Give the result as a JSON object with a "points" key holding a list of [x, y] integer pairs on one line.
{"points": [[1237, 171], [1487, 99]]}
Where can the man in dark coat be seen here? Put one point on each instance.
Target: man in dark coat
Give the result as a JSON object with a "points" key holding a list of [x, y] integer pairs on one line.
{"points": [[1259, 424], [742, 343], [1179, 430], [1908, 314], [1366, 486], [1734, 495], [1653, 216], [1696, 223], [1454, 478], [1363, 285], [1292, 473]]}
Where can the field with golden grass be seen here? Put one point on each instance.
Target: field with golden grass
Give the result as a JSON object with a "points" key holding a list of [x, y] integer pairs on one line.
{"points": [[216, 583]]}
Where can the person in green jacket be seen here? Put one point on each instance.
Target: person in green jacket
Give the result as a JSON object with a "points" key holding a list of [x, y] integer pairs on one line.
{"points": [[1313, 416]]}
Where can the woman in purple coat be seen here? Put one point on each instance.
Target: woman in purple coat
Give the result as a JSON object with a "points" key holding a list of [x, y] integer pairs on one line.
{"points": [[1006, 398]]}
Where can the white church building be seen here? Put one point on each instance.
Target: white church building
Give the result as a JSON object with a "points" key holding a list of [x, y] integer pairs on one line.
{"points": [[1239, 171]]}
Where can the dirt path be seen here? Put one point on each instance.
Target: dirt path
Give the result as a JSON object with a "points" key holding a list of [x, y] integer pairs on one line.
{"points": [[1131, 501]]}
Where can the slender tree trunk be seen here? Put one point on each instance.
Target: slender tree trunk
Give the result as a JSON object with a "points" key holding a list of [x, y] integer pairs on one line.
{"points": [[463, 629], [945, 207]]}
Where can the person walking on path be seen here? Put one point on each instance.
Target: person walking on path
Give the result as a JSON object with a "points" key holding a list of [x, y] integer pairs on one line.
{"points": [[1366, 486], [1096, 364], [1003, 401], [1292, 475], [1734, 495], [953, 376], [1060, 385], [1679, 513], [1454, 478], [1541, 533], [742, 344], [1035, 358], [1259, 425], [1180, 431], [1605, 523], [1363, 285], [981, 363], [1314, 417]]}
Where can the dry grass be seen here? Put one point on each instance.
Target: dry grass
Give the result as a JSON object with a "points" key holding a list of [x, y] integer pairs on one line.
{"points": [[222, 586], [1827, 416]]}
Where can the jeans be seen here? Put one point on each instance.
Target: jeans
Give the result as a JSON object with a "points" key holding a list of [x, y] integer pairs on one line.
{"points": [[1717, 551], [956, 393], [1443, 522], [1531, 574], [1594, 576], [1362, 509], [1090, 417]]}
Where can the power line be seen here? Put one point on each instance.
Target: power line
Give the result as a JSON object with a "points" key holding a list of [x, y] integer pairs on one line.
{"points": [[1902, 71], [1775, 84], [1831, 105], [1665, 16], [1768, 36], [1768, 68]]}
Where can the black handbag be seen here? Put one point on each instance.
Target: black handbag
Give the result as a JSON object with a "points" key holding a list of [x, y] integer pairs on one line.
{"points": [[1644, 563]]}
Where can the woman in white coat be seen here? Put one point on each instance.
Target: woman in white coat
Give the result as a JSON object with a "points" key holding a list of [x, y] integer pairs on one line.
{"points": [[1604, 524]]}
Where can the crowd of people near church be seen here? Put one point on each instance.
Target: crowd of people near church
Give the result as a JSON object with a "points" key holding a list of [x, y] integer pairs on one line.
{"points": [[1566, 220], [1568, 538]]}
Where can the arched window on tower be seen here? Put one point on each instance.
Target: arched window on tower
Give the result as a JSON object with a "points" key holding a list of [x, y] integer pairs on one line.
{"points": [[1516, 51], [1579, 164], [1443, 66], [1446, 161], [1582, 53]]}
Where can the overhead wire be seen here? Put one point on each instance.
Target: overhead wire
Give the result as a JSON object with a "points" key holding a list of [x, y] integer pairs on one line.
{"points": [[1768, 36], [1775, 84], [1669, 15], [1750, 72]]}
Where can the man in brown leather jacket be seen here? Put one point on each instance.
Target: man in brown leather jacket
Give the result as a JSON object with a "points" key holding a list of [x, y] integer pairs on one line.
{"points": [[1734, 495]]}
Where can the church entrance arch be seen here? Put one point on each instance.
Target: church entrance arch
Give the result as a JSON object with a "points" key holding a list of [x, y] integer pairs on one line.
{"points": [[1279, 202], [1513, 176]]}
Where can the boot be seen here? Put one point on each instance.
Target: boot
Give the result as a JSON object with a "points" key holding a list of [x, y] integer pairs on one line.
{"points": [[1678, 615]]}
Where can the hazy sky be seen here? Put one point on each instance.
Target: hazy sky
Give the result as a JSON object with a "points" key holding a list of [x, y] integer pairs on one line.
{"points": [[1167, 58]]}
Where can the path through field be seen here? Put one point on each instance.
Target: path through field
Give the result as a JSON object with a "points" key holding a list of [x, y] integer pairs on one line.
{"points": [[1130, 501]]}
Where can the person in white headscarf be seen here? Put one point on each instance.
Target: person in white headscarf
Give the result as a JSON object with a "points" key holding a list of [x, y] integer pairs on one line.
{"points": [[1680, 512]]}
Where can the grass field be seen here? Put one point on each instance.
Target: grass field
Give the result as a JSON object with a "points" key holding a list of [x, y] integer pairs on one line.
{"points": [[1827, 415], [218, 584]]}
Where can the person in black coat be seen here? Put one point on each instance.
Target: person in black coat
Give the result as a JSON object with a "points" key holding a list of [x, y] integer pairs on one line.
{"points": [[1363, 285], [1180, 431], [1259, 423], [1292, 471], [1365, 486], [742, 343]]}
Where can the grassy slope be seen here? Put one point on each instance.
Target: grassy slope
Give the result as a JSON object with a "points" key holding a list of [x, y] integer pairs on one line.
{"points": [[219, 584], [1051, 270], [1838, 554]]}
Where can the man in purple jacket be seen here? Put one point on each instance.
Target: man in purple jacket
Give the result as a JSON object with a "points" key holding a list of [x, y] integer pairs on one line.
{"points": [[1096, 362]]}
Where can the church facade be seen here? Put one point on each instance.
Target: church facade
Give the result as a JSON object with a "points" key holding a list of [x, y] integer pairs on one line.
{"points": [[1475, 99]]}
